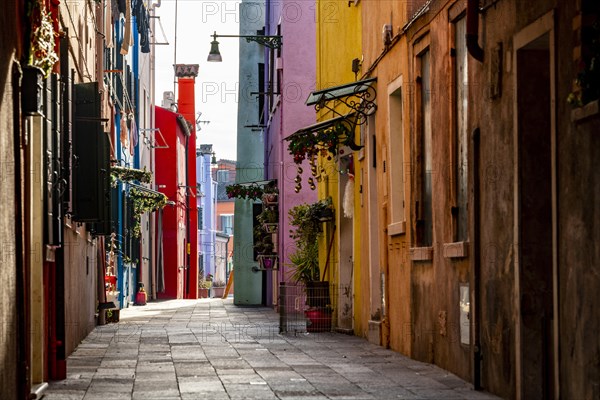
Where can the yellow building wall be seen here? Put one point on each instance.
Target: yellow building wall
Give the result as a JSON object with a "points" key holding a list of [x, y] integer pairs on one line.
{"points": [[339, 27]]}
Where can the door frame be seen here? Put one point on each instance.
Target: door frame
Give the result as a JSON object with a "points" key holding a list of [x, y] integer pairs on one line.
{"points": [[541, 26]]}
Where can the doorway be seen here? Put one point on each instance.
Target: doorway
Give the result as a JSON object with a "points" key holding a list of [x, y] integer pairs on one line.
{"points": [[535, 274], [346, 247]]}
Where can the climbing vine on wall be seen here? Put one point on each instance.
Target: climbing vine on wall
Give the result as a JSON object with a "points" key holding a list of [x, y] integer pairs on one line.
{"points": [[144, 201], [129, 175]]}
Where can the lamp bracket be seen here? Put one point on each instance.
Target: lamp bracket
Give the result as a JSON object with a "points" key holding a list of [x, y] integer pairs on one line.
{"points": [[272, 42]]}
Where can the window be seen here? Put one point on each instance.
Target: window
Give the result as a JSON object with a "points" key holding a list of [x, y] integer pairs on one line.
{"points": [[461, 140], [396, 133], [222, 175], [590, 32], [227, 224], [423, 209], [200, 218]]}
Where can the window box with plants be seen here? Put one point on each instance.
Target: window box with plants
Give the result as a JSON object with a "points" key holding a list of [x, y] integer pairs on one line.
{"points": [[265, 232]]}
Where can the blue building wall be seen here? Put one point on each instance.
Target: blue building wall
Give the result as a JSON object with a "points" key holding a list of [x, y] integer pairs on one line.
{"points": [[207, 204]]}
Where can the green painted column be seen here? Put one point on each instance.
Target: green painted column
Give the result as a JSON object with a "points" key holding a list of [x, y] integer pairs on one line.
{"points": [[247, 284]]}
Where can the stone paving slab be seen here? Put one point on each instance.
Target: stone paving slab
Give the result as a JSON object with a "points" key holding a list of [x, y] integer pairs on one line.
{"points": [[211, 349]]}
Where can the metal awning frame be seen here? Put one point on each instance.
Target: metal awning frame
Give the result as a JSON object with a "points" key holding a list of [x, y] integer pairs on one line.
{"points": [[359, 97], [348, 121], [258, 183]]}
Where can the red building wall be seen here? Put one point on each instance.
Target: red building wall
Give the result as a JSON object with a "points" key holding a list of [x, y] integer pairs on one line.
{"points": [[169, 174]]}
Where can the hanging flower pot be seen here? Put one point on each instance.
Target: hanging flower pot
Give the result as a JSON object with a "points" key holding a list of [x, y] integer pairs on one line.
{"points": [[271, 227], [270, 198], [268, 261]]}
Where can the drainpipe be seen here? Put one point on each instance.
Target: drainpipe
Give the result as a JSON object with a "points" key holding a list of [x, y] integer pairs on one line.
{"points": [[187, 220], [473, 30], [227, 258], [476, 264]]}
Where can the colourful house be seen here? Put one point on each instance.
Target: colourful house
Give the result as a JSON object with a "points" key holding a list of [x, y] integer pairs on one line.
{"points": [[171, 225], [339, 50], [291, 75], [206, 205]]}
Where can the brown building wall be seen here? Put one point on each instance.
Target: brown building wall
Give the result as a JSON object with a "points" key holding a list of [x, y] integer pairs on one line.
{"points": [[578, 178], [494, 118], [436, 282], [389, 65], [8, 256], [9, 259], [80, 254], [531, 262], [533, 284]]}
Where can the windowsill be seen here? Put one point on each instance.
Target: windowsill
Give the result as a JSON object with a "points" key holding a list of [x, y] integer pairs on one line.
{"points": [[456, 250], [396, 229], [589, 110], [421, 253]]}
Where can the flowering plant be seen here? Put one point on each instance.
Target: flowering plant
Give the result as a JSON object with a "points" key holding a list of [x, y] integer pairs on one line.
{"points": [[324, 142], [42, 52], [249, 191]]}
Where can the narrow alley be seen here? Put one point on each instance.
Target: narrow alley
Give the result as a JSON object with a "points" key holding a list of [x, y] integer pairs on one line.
{"points": [[211, 349]]}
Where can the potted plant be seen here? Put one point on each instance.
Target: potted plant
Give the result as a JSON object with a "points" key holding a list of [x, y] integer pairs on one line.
{"points": [[218, 288], [269, 218], [304, 218], [270, 194], [263, 241], [204, 285], [268, 261]]}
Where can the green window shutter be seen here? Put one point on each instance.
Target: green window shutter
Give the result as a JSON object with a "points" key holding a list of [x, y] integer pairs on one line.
{"points": [[90, 157]]}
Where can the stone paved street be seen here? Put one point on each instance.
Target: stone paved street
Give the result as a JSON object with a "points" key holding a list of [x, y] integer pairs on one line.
{"points": [[211, 349]]}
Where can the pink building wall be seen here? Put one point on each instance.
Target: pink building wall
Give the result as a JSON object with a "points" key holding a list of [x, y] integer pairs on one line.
{"points": [[297, 67]]}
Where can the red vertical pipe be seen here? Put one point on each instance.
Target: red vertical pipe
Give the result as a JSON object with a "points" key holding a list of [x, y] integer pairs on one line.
{"points": [[186, 104]]}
